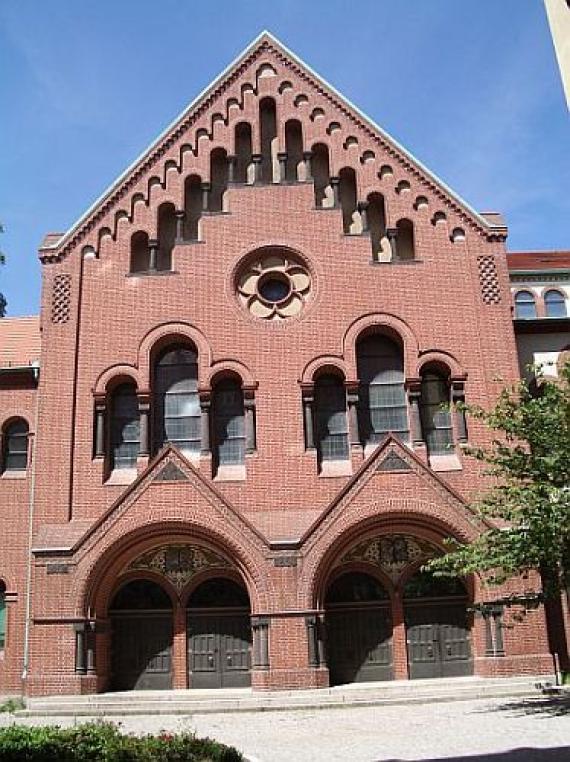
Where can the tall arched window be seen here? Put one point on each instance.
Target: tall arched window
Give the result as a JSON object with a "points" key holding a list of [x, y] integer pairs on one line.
{"points": [[16, 446], [166, 235], [176, 402], [294, 148], [228, 423], [2, 615], [243, 151], [125, 427], [377, 227], [218, 179], [405, 239], [437, 428], [192, 207], [382, 408], [139, 252], [331, 425], [525, 305], [321, 175], [268, 124], [348, 199], [554, 304]]}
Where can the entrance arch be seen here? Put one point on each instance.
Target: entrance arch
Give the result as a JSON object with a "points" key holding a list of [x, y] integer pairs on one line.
{"points": [[359, 629], [219, 635], [437, 626], [141, 636]]}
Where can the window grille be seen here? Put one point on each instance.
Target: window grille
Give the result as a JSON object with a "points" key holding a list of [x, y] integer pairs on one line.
{"points": [[331, 420], [436, 421], [229, 423], [383, 408], [125, 427], [176, 402], [16, 446]]}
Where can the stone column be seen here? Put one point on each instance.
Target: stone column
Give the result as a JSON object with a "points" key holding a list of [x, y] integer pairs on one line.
{"points": [[335, 185], [352, 388], [249, 414], [282, 159], [90, 629], [144, 415], [80, 664], [180, 215], [260, 631], [363, 210], [205, 405], [312, 640], [309, 415], [392, 235], [100, 415], [414, 395], [458, 398], [232, 161], [322, 640], [153, 254], [257, 159], [206, 188], [307, 158]]}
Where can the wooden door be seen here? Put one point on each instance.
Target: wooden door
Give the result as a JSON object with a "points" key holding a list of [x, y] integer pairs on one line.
{"points": [[219, 647], [142, 651], [359, 644], [438, 640]]}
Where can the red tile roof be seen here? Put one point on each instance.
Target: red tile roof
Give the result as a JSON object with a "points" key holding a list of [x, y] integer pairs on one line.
{"points": [[19, 341], [538, 260]]}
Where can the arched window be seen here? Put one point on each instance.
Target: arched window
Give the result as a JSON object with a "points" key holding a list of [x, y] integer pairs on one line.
{"points": [[348, 200], [330, 419], [436, 420], [321, 175], [377, 226], [140, 253], [192, 207], [525, 306], [166, 235], [176, 403], [2, 615], [268, 123], [16, 446], [382, 408], [218, 179], [243, 150], [125, 427], [405, 240], [554, 304], [294, 148], [228, 423]]}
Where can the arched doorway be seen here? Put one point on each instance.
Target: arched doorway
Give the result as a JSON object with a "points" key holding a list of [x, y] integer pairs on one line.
{"points": [[359, 629], [219, 635], [437, 627], [142, 634]]}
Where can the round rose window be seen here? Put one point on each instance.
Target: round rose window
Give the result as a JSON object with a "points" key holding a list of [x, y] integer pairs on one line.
{"points": [[274, 285]]}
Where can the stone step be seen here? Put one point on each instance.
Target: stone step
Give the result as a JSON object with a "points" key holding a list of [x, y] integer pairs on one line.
{"points": [[244, 700]]}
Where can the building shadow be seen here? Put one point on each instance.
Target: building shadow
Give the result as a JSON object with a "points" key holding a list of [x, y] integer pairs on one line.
{"points": [[548, 706], [524, 754]]}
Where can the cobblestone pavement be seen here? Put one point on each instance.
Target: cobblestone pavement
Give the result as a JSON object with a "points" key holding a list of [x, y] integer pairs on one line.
{"points": [[499, 730]]}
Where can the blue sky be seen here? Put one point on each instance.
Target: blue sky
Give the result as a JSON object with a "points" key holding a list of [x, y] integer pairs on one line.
{"points": [[471, 88]]}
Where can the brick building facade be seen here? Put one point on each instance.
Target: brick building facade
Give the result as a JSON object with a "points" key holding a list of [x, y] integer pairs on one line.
{"points": [[226, 460]]}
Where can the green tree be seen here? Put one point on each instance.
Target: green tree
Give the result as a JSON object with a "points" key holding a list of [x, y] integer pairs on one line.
{"points": [[528, 502]]}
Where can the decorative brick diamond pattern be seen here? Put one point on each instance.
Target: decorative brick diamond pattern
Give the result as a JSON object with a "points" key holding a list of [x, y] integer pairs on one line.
{"points": [[61, 299], [490, 290]]}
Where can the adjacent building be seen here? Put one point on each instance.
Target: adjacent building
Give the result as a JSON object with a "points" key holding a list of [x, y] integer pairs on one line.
{"points": [[225, 451]]}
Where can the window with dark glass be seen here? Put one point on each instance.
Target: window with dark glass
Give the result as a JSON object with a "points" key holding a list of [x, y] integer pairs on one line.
{"points": [[330, 419], [436, 419], [2, 616], [525, 306], [228, 423], [176, 402], [16, 446], [555, 304], [382, 408], [125, 427]]}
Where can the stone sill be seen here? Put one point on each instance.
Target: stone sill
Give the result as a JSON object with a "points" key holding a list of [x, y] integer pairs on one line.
{"points": [[230, 474], [16, 475], [121, 476], [332, 468], [445, 463]]}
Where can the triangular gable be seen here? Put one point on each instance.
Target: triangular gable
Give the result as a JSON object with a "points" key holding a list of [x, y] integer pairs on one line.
{"points": [[169, 465], [154, 156], [392, 457]]}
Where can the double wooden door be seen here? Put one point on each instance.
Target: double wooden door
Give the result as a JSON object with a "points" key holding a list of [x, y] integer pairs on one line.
{"points": [[438, 640], [142, 651], [359, 644], [219, 649]]}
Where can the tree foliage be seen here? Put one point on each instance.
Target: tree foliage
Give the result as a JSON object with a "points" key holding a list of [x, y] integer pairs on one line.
{"points": [[528, 502]]}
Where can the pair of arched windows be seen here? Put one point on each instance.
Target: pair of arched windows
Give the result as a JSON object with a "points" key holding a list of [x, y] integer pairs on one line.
{"points": [[554, 305], [15, 437], [382, 403], [177, 414]]}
